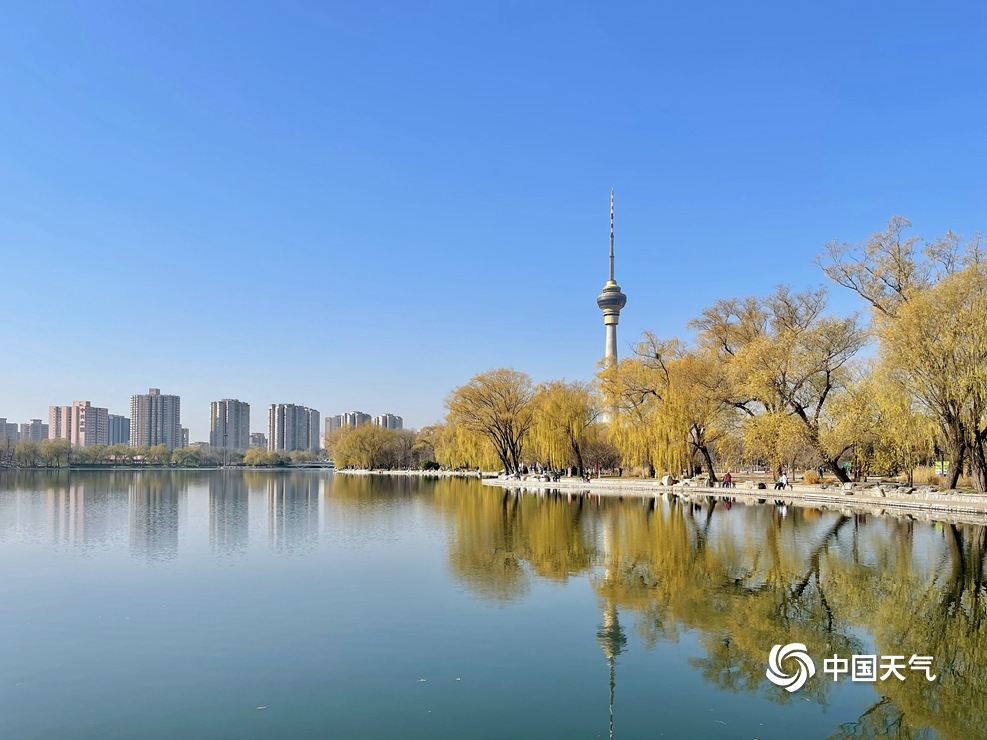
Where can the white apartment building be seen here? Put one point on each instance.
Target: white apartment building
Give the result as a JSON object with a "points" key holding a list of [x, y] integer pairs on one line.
{"points": [[349, 419], [389, 421]]}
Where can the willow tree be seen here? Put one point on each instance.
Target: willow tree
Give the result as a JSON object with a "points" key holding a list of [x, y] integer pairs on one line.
{"points": [[784, 356], [363, 446], [927, 308], [661, 407], [563, 415], [936, 348], [496, 405], [458, 447], [905, 429]]}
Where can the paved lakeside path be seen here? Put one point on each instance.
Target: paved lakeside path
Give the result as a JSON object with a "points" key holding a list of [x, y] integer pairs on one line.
{"points": [[415, 473]]}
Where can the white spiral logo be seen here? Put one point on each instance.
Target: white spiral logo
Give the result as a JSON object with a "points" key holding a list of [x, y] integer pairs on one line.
{"points": [[779, 654]]}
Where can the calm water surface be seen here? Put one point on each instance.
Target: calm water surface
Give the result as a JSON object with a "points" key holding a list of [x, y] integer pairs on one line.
{"points": [[295, 604]]}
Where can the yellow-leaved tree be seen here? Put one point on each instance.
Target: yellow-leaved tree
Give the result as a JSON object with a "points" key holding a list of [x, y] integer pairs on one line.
{"points": [[495, 405], [928, 309], [563, 416], [784, 356]]}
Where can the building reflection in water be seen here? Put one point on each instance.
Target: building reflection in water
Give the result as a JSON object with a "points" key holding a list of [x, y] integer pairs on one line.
{"points": [[293, 510], [157, 507], [229, 520], [83, 510]]}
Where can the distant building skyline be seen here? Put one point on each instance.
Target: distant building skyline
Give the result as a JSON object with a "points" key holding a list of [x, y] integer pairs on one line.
{"points": [[81, 423], [155, 418]]}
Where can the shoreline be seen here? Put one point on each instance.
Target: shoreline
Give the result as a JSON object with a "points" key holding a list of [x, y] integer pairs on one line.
{"points": [[416, 473], [879, 499]]}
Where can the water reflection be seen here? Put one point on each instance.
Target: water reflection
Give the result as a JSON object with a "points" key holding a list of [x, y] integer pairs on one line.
{"points": [[740, 578], [157, 508], [749, 577], [293, 511], [229, 513]]}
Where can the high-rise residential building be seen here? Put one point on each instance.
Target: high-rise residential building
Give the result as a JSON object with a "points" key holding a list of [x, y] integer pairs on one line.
{"points": [[291, 427], [8, 431], [34, 431], [389, 421], [90, 424], [314, 437], [82, 424], [258, 439], [59, 422], [155, 418], [229, 424], [185, 437], [610, 301], [119, 426]]}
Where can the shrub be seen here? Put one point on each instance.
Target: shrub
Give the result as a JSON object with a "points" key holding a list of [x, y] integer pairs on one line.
{"points": [[430, 465], [811, 477], [927, 476]]}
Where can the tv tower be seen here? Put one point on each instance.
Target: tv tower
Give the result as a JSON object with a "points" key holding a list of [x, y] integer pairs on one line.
{"points": [[610, 301]]}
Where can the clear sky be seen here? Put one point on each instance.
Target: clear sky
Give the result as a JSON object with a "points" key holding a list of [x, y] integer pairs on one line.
{"points": [[359, 205]]}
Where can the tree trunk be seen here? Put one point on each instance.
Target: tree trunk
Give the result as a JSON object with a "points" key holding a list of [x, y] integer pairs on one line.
{"points": [[978, 462], [839, 472], [707, 462], [956, 447], [578, 455]]}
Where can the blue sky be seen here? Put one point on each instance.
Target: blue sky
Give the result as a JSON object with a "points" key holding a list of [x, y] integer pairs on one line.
{"points": [[359, 205]]}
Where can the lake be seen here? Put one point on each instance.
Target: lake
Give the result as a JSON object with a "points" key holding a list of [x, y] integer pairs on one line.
{"points": [[303, 604]]}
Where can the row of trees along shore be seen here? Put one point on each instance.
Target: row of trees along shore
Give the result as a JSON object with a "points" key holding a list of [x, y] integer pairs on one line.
{"points": [[56, 453], [774, 380]]}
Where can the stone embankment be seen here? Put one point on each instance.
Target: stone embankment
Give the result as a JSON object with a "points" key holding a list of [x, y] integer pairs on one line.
{"points": [[922, 502], [415, 473]]}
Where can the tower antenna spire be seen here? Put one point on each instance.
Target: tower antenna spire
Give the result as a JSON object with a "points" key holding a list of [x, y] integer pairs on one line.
{"points": [[611, 234]]}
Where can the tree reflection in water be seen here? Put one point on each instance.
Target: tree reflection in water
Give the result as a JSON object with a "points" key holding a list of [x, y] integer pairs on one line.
{"points": [[749, 578]]}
